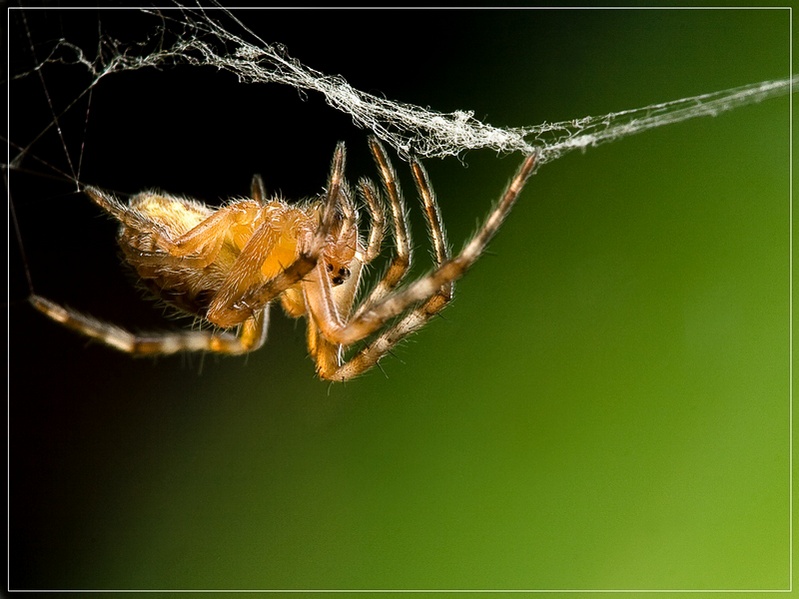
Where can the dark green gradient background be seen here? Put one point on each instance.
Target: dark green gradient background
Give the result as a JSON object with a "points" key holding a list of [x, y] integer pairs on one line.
{"points": [[605, 405]]}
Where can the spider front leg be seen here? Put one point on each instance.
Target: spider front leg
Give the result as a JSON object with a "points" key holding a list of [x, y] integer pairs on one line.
{"points": [[428, 293], [328, 355], [401, 261], [369, 356], [452, 269]]}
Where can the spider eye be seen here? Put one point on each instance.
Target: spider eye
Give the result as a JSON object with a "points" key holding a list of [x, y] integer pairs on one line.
{"points": [[342, 274]]}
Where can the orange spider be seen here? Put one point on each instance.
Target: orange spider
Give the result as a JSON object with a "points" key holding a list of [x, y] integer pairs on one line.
{"points": [[226, 265]]}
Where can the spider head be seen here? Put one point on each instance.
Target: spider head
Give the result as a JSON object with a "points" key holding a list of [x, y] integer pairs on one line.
{"points": [[338, 274], [341, 248], [342, 241]]}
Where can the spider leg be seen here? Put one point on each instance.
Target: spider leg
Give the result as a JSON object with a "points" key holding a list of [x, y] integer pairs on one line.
{"points": [[251, 335], [377, 226], [337, 331], [236, 301], [244, 273], [401, 262], [196, 248], [205, 238], [123, 212], [435, 229], [414, 320], [327, 355], [370, 355], [258, 189]]}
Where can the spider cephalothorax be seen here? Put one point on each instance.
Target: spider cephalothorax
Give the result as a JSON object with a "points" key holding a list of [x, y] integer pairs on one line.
{"points": [[226, 265]]}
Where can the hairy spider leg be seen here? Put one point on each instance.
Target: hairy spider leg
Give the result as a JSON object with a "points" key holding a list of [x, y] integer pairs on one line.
{"points": [[436, 231], [257, 189], [329, 356], [377, 224], [251, 334], [369, 356], [401, 260], [422, 290], [196, 248]]}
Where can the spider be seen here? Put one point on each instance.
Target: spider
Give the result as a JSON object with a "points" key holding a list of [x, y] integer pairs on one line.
{"points": [[227, 265]]}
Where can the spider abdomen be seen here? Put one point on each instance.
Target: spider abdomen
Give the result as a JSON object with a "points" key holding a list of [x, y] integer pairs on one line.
{"points": [[188, 283]]}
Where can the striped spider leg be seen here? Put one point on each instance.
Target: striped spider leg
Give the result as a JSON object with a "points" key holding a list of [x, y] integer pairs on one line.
{"points": [[419, 301]]}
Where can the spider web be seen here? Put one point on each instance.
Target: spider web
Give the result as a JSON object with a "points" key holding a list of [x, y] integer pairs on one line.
{"points": [[202, 38]]}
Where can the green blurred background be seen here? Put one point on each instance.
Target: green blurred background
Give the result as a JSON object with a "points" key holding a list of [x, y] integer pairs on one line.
{"points": [[604, 406]]}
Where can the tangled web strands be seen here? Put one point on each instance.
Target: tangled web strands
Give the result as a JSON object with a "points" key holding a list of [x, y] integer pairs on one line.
{"points": [[203, 41]]}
